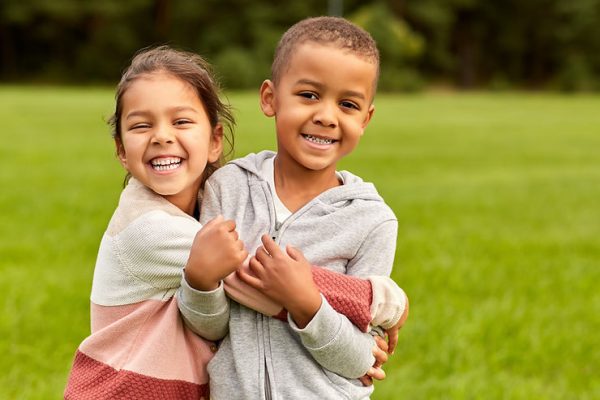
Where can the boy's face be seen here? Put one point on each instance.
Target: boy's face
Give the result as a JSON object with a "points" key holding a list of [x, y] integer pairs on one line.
{"points": [[321, 105]]}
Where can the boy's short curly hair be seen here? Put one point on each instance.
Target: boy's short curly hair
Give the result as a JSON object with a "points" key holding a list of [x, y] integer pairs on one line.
{"points": [[334, 31]]}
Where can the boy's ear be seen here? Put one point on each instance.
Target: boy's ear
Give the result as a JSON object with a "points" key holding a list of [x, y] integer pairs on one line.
{"points": [[369, 116], [215, 147], [267, 94], [121, 152]]}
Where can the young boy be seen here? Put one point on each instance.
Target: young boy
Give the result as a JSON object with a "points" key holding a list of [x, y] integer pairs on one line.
{"points": [[324, 77]]}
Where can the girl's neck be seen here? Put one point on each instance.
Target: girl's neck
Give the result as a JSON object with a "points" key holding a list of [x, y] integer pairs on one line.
{"points": [[296, 185], [186, 201]]}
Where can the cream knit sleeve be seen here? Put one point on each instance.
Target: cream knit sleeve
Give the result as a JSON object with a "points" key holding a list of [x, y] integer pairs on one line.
{"points": [[389, 302]]}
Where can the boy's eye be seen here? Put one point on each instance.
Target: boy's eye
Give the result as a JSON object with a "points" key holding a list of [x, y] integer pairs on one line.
{"points": [[308, 95], [349, 104]]}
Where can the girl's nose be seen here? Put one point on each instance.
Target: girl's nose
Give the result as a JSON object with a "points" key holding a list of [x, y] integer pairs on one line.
{"points": [[163, 135]]}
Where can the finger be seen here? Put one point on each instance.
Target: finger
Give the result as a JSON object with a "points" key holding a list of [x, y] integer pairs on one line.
{"points": [[229, 225], [242, 256], [381, 356], [262, 255], [249, 279], [376, 373], [381, 343], [366, 380], [294, 253], [214, 221], [405, 313], [256, 267], [270, 245], [392, 340]]}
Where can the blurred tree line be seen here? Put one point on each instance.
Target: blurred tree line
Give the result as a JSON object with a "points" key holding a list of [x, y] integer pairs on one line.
{"points": [[465, 43]]}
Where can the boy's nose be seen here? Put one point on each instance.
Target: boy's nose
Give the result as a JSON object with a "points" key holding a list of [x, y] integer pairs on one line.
{"points": [[325, 116]]}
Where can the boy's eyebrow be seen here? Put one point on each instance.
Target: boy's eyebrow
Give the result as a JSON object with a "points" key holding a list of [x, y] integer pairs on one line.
{"points": [[320, 86]]}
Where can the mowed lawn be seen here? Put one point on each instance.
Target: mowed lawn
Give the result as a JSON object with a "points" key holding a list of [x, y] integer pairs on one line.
{"points": [[498, 199]]}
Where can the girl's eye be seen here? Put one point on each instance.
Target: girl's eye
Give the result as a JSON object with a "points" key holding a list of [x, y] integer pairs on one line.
{"points": [[139, 126], [308, 95], [349, 104], [182, 122]]}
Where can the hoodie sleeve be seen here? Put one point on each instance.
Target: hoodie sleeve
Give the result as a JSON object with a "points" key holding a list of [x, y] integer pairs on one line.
{"points": [[206, 313], [330, 337]]}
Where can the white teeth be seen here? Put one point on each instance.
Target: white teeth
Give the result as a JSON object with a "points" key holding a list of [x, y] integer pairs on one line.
{"points": [[317, 140], [165, 164]]}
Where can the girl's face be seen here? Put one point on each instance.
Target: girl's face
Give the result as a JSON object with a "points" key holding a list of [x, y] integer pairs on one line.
{"points": [[166, 138]]}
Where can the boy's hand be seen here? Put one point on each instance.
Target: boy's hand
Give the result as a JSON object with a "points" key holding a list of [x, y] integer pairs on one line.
{"points": [[216, 252], [285, 278], [380, 352], [392, 332]]}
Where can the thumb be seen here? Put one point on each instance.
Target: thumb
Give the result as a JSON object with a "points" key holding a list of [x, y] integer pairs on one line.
{"points": [[214, 221], [294, 253]]}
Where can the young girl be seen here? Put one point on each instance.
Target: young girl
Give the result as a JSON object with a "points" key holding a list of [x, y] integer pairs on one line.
{"points": [[169, 126]]}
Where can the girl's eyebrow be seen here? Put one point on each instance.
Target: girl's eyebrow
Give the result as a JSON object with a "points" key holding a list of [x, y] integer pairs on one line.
{"points": [[142, 113], [320, 86]]}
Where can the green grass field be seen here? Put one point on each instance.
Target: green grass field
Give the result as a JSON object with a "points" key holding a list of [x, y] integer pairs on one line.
{"points": [[498, 198]]}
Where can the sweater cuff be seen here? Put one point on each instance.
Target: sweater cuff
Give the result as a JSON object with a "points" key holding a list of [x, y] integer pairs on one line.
{"points": [[389, 302], [204, 302]]}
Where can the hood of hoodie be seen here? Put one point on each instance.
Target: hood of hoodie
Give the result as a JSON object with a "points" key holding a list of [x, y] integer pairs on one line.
{"points": [[353, 188]]}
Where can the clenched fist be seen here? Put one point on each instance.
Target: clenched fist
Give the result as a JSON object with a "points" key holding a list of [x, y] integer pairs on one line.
{"points": [[216, 252]]}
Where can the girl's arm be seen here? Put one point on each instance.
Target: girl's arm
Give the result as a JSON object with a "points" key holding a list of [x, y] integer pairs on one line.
{"points": [[215, 252], [375, 301]]}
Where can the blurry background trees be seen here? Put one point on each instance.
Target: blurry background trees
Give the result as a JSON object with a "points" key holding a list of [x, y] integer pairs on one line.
{"points": [[465, 43]]}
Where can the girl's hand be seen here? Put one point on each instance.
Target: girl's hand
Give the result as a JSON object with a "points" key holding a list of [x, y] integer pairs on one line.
{"points": [[216, 252], [286, 278], [392, 333], [380, 352]]}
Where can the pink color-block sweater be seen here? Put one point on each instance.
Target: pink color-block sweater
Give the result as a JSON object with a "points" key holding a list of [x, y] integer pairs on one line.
{"points": [[139, 346]]}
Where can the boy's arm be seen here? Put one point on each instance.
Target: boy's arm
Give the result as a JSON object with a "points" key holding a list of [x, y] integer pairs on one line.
{"points": [[329, 336], [345, 351]]}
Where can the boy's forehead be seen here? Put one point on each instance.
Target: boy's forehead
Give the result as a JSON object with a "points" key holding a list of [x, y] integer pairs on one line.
{"points": [[310, 55]]}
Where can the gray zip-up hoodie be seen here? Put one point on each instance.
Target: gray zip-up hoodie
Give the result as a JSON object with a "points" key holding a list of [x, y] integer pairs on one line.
{"points": [[348, 229]]}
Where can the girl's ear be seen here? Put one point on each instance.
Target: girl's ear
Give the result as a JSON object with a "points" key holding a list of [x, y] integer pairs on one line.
{"points": [[267, 93], [121, 152], [215, 147]]}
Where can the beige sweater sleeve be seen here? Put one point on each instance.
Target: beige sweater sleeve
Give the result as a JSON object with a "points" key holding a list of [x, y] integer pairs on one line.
{"points": [[389, 302]]}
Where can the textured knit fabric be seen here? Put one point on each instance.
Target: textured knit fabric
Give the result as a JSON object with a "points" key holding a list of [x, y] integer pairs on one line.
{"points": [[347, 229], [389, 302], [139, 347]]}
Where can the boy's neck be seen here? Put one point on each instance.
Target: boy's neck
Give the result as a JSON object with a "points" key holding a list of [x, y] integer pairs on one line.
{"points": [[296, 185]]}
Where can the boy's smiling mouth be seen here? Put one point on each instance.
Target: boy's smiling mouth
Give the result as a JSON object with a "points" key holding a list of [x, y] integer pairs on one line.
{"points": [[165, 163], [318, 140]]}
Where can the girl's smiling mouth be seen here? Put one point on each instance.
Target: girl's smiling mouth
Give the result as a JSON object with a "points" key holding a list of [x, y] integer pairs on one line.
{"points": [[161, 164]]}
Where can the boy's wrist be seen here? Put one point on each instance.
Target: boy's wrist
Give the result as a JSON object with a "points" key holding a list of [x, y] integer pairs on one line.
{"points": [[302, 312]]}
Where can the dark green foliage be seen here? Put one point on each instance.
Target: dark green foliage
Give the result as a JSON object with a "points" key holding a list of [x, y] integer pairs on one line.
{"points": [[468, 43]]}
